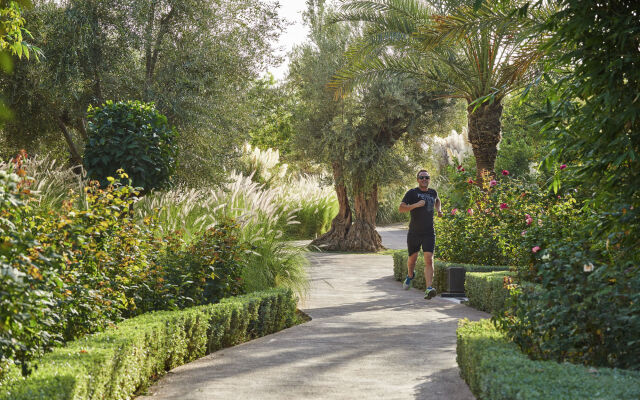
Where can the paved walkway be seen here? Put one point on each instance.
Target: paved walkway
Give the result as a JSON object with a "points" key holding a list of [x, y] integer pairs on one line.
{"points": [[368, 339]]}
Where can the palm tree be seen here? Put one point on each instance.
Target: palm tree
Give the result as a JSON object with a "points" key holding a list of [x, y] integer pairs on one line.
{"points": [[479, 55]]}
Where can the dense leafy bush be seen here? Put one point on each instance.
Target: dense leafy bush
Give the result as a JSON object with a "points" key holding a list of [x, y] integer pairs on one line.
{"points": [[76, 270], [132, 136], [486, 225], [66, 273], [116, 363], [496, 369], [27, 298], [208, 269], [588, 308], [487, 291]]}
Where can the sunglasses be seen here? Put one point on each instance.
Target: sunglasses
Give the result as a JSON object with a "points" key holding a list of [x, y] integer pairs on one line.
{"points": [[423, 177]]}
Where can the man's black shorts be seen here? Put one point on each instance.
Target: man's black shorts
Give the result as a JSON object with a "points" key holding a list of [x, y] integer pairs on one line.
{"points": [[415, 241]]}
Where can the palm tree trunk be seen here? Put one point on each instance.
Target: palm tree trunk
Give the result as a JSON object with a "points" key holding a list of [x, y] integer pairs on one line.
{"points": [[363, 235], [484, 135], [334, 239]]}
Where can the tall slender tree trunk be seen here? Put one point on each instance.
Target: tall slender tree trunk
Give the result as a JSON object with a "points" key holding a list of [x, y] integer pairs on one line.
{"points": [[484, 135], [363, 235], [76, 158], [334, 239]]}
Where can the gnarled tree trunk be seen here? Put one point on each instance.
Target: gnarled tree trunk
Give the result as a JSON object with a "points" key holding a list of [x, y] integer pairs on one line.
{"points": [[334, 239], [484, 135], [363, 235]]}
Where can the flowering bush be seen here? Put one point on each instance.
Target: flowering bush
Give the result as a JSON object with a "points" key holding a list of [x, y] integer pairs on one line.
{"points": [[492, 230]]}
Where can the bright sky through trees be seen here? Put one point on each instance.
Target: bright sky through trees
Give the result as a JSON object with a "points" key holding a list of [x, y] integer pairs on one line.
{"points": [[295, 32]]}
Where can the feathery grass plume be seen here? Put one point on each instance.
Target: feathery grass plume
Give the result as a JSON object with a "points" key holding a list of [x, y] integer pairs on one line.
{"points": [[314, 202], [451, 149], [262, 165], [262, 218], [50, 181]]}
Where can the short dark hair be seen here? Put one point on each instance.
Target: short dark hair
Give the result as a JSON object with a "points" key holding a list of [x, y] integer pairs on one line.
{"points": [[422, 170]]}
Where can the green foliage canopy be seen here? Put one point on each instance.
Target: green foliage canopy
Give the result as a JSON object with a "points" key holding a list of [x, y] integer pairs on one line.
{"points": [[195, 60], [132, 136]]}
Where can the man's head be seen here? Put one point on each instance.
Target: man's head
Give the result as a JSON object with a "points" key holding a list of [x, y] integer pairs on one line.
{"points": [[423, 179]]}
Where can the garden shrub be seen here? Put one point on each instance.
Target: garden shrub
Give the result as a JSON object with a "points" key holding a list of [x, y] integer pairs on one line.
{"points": [[485, 225], [496, 369], [116, 363], [209, 268], [66, 273], [487, 291], [440, 277], [588, 308], [133, 136], [74, 271], [27, 287]]}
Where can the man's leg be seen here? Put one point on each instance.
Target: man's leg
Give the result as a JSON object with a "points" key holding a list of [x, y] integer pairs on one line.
{"points": [[411, 264], [413, 246], [428, 268], [429, 247]]}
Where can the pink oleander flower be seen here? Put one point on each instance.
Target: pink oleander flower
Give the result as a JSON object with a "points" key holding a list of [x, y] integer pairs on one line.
{"points": [[470, 181], [505, 172], [493, 183], [523, 233], [459, 167], [503, 206], [535, 249], [563, 166], [470, 211], [454, 211], [528, 219]]}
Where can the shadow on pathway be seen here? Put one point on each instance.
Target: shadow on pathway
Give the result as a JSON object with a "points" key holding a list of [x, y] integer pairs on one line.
{"points": [[368, 339]]}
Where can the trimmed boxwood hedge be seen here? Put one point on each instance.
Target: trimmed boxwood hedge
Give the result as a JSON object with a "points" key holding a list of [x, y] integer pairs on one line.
{"points": [[496, 369], [116, 363], [486, 290], [440, 281]]}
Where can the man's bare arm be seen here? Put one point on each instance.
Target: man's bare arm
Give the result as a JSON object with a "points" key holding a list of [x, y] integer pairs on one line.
{"points": [[408, 207], [439, 207]]}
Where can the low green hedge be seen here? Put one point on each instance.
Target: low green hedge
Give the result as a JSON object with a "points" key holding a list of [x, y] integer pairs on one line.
{"points": [[440, 281], [116, 363], [496, 369], [486, 290]]}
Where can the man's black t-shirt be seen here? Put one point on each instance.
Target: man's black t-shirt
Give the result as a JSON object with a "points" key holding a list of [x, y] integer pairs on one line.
{"points": [[421, 217]]}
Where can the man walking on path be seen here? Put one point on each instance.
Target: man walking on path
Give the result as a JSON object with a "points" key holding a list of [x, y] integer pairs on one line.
{"points": [[421, 202]]}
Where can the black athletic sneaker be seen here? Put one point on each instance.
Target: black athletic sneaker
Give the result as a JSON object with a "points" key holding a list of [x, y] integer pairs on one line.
{"points": [[430, 293]]}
